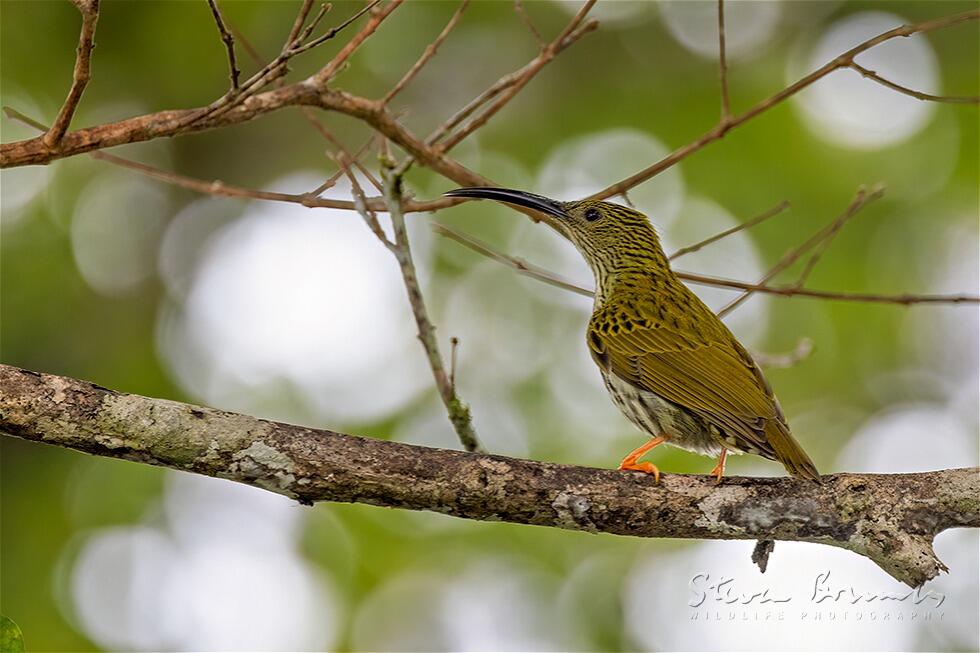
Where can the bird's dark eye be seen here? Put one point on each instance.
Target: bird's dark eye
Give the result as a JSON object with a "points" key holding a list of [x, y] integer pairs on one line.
{"points": [[592, 214]]}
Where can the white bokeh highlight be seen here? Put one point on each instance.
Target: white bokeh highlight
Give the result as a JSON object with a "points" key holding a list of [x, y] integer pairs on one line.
{"points": [[748, 26], [402, 614], [850, 111], [20, 186], [288, 297], [486, 605], [584, 165], [945, 337], [615, 14], [580, 410], [116, 229], [187, 237], [115, 587], [220, 573], [495, 320], [910, 438], [543, 246], [959, 549], [497, 606]]}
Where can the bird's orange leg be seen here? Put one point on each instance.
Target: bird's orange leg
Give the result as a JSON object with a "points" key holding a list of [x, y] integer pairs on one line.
{"points": [[629, 462], [719, 469]]}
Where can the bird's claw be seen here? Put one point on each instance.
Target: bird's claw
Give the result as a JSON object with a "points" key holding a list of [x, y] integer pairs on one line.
{"points": [[646, 467]]}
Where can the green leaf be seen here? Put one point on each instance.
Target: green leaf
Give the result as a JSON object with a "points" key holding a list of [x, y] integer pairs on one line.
{"points": [[11, 639]]}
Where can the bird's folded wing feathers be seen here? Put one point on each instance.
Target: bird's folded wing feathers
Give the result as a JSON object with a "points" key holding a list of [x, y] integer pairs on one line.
{"points": [[711, 376]]}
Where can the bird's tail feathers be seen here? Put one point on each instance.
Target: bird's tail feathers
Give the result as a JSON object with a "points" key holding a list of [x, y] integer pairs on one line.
{"points": [[789, 452]]}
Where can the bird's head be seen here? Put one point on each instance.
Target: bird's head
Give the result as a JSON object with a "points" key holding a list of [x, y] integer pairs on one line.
{"points": [[608, 235]]}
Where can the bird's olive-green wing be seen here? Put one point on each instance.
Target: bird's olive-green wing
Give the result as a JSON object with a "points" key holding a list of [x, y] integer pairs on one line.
{"points": [[691, 360]]}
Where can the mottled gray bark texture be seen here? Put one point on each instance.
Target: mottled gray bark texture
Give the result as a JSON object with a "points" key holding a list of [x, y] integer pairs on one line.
{"points": [[891, 518]]}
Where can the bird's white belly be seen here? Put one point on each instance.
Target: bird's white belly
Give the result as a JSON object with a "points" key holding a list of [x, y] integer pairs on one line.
{"points": [[658, 417]]}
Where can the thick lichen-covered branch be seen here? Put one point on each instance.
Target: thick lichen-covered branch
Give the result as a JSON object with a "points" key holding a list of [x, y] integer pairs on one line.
{"points": [[891, 519]]}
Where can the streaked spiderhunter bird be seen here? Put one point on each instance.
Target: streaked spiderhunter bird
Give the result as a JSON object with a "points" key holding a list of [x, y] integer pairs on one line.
{"points": [[669, 363]]}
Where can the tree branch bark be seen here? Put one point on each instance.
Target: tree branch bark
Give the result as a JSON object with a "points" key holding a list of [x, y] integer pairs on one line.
{"points": [[174, 122], [891, 519]]}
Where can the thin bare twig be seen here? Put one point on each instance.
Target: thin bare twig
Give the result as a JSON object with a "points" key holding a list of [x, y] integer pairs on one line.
{"points": [[332, 179], [504, 89], [333, 31], [171, 123], [360, 202], [575, 30], [295, 42], [341, 149], [320, 129], [518, 78], [540, 274], [215, 187], [329, 182], [759, 219], [861, 199], [427, 54], [14, 114], [906, 299], [724, 126], [250, 50], [443, 165], [219, 188], [454, 345], [274, 69], [229, 42], [522, 75], [328, 72], [522, 13], [459, 413], [466, 111], [799, 353], [951, 99], [518, 264], [379, 120], [89, 9], [304, 12], [726, 112], [378, 204]]}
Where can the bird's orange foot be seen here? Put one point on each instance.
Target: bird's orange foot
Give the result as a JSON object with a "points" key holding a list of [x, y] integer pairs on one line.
{"points": [[649, 468], [630, 461], [719, 469]]}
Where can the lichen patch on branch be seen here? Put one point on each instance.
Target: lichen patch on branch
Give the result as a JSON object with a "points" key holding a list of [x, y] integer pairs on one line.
{"points": [[266, 465], [573, 512]]}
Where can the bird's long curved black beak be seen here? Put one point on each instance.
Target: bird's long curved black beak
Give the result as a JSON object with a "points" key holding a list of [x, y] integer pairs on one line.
{"points": [[517, 197]]}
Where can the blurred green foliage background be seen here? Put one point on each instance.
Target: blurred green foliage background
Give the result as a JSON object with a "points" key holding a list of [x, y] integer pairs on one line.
{"points": [[109, 277]]}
